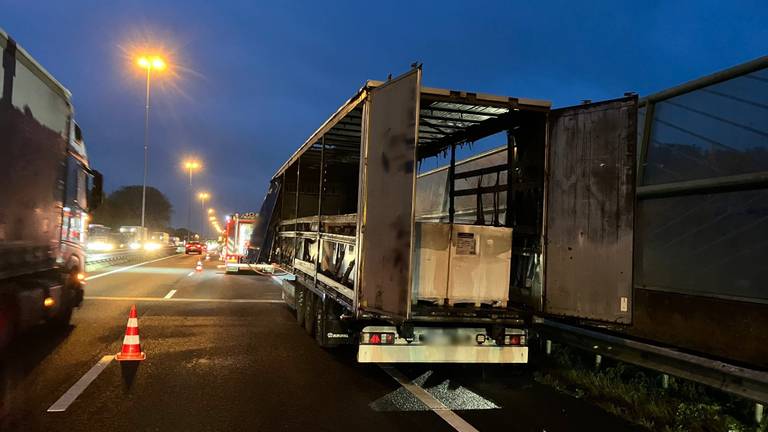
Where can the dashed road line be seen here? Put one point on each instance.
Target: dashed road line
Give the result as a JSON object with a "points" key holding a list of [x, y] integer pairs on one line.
{"points": [[170, 294], [430, 401], [190, 273], [176, 299], [67, 398], [127, 268]]}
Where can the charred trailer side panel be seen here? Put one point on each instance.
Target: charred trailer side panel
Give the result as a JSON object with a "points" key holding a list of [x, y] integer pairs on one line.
{"points": [[590, 211]]}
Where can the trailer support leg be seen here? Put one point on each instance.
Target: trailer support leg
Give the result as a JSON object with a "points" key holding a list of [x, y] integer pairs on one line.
{"points": [[759, 412]]}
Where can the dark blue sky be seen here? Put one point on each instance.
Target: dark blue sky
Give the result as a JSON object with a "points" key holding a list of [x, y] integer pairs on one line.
{"points": [[259, 77]]}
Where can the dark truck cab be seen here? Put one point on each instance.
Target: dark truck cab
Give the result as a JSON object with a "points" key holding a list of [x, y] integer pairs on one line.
{"points": [[48, 189]]}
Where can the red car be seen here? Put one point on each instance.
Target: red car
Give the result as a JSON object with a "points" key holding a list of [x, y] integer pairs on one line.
{"points": [[194, 247]]}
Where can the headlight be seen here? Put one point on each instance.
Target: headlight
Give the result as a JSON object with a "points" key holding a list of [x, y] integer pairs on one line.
{"points": [[100, 246], [152, 246], [135, 245]]}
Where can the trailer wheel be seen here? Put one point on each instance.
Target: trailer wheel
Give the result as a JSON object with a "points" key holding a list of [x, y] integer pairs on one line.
{"points": [[300, 300], [320, 320], [310, 317]]}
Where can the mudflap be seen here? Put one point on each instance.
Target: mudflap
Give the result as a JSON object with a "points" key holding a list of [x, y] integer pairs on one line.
{"points": [[331, 331]]}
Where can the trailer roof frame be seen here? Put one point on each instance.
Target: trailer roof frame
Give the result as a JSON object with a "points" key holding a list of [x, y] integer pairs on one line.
{"points": [[449, 109]]}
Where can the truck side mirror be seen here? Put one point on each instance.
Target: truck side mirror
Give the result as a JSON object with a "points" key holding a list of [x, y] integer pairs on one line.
{"points": [[96, 195]]}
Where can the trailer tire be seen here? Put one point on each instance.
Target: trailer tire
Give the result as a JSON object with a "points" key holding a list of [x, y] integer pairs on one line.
{"points": [[320, 319], [300, 300], [310, 317]]}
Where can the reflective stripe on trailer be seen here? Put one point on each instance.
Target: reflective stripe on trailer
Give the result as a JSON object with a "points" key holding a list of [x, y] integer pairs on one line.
{"points": [[441, 354]]}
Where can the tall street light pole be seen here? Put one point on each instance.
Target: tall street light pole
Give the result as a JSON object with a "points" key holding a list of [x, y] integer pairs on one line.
{"points": [[148, 63], [203, 196], [190, 165]]}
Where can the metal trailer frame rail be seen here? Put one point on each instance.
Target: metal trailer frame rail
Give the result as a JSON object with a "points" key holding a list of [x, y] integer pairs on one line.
{"points": [[748, 383]]}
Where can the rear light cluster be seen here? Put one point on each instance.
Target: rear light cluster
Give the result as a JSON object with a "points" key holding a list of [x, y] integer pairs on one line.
{"points": [[509, 339], [378, 338], [513, 340]]}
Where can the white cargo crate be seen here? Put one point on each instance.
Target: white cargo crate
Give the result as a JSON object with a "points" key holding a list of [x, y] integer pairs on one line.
{"points": [[462, 263], [431, 256], [479, 265]]}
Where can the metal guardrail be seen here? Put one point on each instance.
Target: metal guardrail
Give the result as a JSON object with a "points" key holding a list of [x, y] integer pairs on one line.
{"points": [[94, 261], [748, 383]]}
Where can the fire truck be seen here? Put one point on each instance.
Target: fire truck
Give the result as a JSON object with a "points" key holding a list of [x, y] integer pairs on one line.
{"points": [[237, 241]]}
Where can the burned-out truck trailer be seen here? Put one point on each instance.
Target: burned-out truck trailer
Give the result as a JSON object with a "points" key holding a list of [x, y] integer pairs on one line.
{"points": [[450, 265]]}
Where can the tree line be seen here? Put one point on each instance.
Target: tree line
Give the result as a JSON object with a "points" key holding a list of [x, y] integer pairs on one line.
{"points": [[123, 208]]}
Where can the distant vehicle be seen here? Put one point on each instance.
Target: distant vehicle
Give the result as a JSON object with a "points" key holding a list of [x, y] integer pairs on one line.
{"points": [[194, 247], [161, 237], [100, 238], [237, 240], [157, 240], [48, 189], [132, 237], [212, 246]]}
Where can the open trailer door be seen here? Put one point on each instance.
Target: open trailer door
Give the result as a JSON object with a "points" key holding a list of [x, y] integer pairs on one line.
{"points": [[590, 210], [385, 207]]}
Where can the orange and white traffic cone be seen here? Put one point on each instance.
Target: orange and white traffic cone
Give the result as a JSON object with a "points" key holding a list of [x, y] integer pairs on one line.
{"points": [[199, 266], [131, 346]]}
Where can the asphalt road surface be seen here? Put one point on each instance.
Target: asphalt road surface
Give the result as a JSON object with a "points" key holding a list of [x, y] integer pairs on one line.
{"points": [[225, 354]]}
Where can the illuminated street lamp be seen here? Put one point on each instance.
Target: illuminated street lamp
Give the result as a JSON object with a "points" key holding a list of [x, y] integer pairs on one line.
{"points": [[190, 165], [149, 63], [210, 211], [203, 196]]}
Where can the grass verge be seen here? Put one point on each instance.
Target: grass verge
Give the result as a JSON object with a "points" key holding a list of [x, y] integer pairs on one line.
{"points": [[636, 394]]}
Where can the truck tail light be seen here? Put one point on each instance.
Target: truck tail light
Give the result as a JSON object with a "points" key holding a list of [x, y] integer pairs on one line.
{"points": [[378, 338], [512, 340]]}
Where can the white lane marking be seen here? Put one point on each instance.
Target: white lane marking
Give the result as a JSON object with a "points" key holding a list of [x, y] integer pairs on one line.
{"points": [[170, 294], [67, 398], [175, 299], [430, 401], [127, 268], [191, 273]]}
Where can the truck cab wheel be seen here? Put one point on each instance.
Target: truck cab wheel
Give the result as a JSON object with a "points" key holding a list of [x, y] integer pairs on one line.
{"points": [[62, 319], [8, 322]]}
